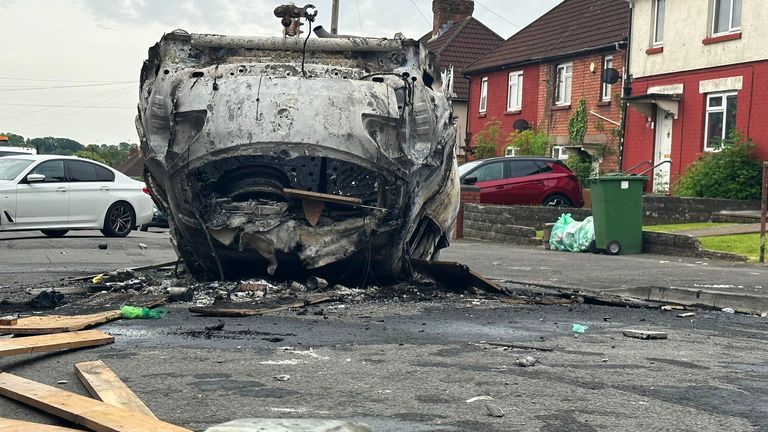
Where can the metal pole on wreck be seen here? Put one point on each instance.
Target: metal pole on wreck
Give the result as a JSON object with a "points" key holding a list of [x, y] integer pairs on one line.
{"points": [[335, 17]]}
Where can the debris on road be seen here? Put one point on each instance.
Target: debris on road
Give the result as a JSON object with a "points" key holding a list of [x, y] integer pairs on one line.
{"points": [[728, 310], [526, 361], [232, 312], [686, 315], [644, 334], [579, 328], [46, 300], [143, 246], [282, 377], [494, 410], [53, 342], [102, 246], [47, 324], [289, 424], [478, 398], [672, 307], [9, 320], [133, 312], [78, 409], [517, 346], [103, 384]]}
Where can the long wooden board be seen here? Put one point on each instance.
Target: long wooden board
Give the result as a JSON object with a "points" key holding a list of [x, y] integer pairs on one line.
{"points": [[103, 384], [8, 425], [48, 324], [96, 415], [54, 342]]}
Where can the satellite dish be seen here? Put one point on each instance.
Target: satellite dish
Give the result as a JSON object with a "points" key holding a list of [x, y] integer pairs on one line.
{"points": [[521, 125], [610, 76]]}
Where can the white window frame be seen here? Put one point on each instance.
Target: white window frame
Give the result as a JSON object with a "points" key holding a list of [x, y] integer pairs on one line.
{"points": [[515, 91], [654, 41], [559, 152], [605, 91], [724, 110], [484, 95], [731, 27], [564, 84]]}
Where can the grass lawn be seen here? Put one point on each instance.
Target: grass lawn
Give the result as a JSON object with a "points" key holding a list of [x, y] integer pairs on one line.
{"points": [[671, 228], [742, 244]]}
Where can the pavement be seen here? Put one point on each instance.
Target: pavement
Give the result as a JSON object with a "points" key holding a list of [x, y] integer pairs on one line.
{"points": [[688, 281]]}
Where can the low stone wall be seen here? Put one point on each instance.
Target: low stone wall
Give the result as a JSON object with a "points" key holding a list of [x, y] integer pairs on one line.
{"points": [[665, 210], [656, 210], [681, 245]]}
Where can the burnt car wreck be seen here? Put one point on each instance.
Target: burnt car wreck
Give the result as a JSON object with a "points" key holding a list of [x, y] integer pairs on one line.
{"points": [[332, 156]]}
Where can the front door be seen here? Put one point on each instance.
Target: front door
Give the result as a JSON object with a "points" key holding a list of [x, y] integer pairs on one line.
{"points": [[663, 152]]}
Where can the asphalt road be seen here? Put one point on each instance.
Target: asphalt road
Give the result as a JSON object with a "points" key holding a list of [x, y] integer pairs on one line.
{"points": [[405, 366]]}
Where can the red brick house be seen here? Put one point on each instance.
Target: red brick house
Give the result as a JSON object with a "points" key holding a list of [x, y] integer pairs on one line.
{"points": [[699, 70], [459, 39], [540, 74]]}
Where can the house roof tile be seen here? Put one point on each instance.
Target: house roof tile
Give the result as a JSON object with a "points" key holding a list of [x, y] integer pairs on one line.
{"points": [[460, 45], [570, 27]]}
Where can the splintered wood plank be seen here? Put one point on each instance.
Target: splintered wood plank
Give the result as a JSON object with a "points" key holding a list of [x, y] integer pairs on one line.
{"points": [[217, 311], [54, 342], [106, 386], [317, 196], [96, 415], [48, 324], [8, 425]]}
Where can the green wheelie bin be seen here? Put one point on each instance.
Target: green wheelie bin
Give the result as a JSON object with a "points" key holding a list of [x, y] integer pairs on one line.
{"points": [[617, 211]]}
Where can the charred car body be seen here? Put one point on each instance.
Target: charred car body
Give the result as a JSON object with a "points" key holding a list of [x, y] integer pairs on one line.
{"points": [[330, 156]]}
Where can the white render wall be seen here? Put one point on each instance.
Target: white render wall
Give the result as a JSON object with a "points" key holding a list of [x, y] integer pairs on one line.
{"points": [[687, 23]]}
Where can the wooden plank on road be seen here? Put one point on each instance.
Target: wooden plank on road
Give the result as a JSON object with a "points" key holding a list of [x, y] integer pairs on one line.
{"points": [[8, 425], [93, 414], [54, 342], [49, 324], [106, 386]]}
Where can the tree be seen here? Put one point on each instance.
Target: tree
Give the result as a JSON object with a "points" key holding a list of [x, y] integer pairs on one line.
{"points": [[487, 140], [14, 140], [55, 146], [529, 142], [88, 153]]}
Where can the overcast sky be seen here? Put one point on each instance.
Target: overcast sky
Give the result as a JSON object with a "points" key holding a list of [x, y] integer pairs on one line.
{"points": [[70, 67]]}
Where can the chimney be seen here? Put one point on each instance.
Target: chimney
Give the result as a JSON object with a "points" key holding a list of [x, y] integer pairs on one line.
{"points": [[449, 10]]}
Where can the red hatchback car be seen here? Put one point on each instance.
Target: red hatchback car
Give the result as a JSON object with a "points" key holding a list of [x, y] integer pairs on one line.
{"points": [[523, 180]]}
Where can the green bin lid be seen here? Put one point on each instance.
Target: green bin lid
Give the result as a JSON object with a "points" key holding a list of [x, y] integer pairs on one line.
{"points": [[618, 177]]}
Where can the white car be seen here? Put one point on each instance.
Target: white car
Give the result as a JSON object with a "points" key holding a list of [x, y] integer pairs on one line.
{"points": [[55, 194]]}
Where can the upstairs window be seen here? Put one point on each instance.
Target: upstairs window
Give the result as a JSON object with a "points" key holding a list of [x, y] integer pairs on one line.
{"points": [[721, 119], [726, 16], [483, 94], [658, 23], [564, 84], [605, 93], [515, 91]]}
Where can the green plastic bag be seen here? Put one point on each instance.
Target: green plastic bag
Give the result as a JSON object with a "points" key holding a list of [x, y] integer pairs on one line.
{"points": [[556, 235], [133, 312]]}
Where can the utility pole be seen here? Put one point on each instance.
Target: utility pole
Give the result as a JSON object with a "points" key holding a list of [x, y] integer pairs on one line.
{"points": [[763, 204], [335, 17]]}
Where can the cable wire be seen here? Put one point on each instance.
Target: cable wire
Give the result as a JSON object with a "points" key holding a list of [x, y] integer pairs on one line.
{"points": [[497, 14], [417, 10], [359, 18], [66, 103], [28, 88]]}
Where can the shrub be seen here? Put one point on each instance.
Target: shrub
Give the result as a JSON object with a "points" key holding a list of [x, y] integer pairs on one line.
{"points": [[728, 173], [577, 124], [581, 165], [530, 142], [486, 141]]}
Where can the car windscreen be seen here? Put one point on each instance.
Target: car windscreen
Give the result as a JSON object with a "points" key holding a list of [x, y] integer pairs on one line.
{"points": [[12, 167], [467, 167]]}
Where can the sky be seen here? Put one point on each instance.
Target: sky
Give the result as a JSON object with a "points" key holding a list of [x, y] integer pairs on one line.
{"points": [[70, 68]]}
